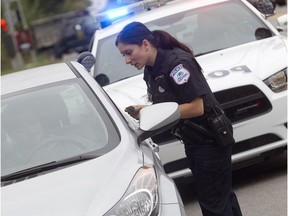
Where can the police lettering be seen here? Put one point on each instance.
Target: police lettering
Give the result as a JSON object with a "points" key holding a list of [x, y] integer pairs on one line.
{"points": [[222, 73]]}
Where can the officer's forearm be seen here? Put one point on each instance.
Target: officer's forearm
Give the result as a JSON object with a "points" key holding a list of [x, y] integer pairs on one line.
{"points": [[193, 109]]}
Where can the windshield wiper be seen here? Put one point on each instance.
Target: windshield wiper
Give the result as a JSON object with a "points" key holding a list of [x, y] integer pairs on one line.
{"points": [[203, 53], [47, 166]]}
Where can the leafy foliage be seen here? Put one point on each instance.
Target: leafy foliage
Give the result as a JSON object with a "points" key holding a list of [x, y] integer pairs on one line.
{"points": [[37, 9]]}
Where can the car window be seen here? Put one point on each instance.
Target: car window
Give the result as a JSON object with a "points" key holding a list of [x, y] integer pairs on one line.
{"points": [[112, 62], [204, 30], [53, 123]]}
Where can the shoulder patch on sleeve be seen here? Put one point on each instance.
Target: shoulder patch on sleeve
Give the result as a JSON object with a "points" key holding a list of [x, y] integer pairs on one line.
{"points": [[180, 74]]}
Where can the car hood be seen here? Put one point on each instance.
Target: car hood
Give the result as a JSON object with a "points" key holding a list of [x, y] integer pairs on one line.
{"points": [[128, 92], [89, 188], [223, 69]]}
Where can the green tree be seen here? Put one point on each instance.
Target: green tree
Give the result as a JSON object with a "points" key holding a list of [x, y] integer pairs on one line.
{"points": [[37, 9]]}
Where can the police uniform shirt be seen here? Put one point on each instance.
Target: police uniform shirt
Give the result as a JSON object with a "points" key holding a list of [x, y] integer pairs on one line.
{"points": [[174, 77]]}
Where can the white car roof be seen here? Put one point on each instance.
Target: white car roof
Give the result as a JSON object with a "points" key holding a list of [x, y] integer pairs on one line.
{"points": [[35, 77]]}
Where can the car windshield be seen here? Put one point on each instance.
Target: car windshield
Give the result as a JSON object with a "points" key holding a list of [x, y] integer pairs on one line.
{"points": [[40, 126], [204, 30]]}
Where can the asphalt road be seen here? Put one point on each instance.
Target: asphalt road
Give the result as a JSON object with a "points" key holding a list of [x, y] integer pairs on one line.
{"points": [[279, 11], [261, 189]]}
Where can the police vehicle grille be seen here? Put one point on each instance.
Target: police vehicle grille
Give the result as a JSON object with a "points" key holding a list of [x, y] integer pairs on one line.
{"points": [[255, 142], [244, 102]]}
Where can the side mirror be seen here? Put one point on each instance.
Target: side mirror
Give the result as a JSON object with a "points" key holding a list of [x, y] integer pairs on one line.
{"points": [[102, 79], [157, 118], [262, 33], [266, 7], [282, 23], [87, 60]]}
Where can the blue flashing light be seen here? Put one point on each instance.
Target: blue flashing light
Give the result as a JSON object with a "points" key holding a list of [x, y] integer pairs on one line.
{"points": [[117, 13]]}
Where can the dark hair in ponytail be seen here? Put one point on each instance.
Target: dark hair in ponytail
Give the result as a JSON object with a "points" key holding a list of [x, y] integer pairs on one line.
{"points": [[167, 41], [136, 32]]}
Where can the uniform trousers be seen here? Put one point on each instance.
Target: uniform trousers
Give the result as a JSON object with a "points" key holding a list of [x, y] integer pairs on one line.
{"points": [[212, 174]]}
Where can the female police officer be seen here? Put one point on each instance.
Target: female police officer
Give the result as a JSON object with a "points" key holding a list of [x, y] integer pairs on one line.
{"points": [[172, 74]]}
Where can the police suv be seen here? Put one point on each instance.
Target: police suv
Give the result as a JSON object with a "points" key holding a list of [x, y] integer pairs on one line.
{"points": [[244, 59]]}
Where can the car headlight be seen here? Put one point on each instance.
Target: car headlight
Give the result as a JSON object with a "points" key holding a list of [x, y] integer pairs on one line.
{"points": [[141, 197], [277, 82]]}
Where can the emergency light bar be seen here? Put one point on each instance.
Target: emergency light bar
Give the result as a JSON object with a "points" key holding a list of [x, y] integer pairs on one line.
{"points": [[118, 13], [108, 17]]}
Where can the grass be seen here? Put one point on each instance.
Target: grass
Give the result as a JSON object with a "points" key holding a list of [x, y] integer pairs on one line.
{"points": [[30, 60]]}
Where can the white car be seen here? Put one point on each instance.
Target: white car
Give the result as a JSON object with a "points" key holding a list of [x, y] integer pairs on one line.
{"points": [[66, 150], [244, 59]]}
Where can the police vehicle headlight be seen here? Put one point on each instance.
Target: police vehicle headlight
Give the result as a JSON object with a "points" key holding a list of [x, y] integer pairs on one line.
{"points": [[277, 82], [141, 197]]}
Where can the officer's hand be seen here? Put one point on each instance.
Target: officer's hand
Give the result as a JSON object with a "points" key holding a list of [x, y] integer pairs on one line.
{"points": [[133, 111]]}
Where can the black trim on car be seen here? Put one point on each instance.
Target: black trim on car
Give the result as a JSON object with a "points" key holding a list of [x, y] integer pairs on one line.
{"points": [[239, 147]]}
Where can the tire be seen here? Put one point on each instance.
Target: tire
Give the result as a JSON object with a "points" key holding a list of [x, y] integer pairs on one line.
{"points": [[57, 51]]}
